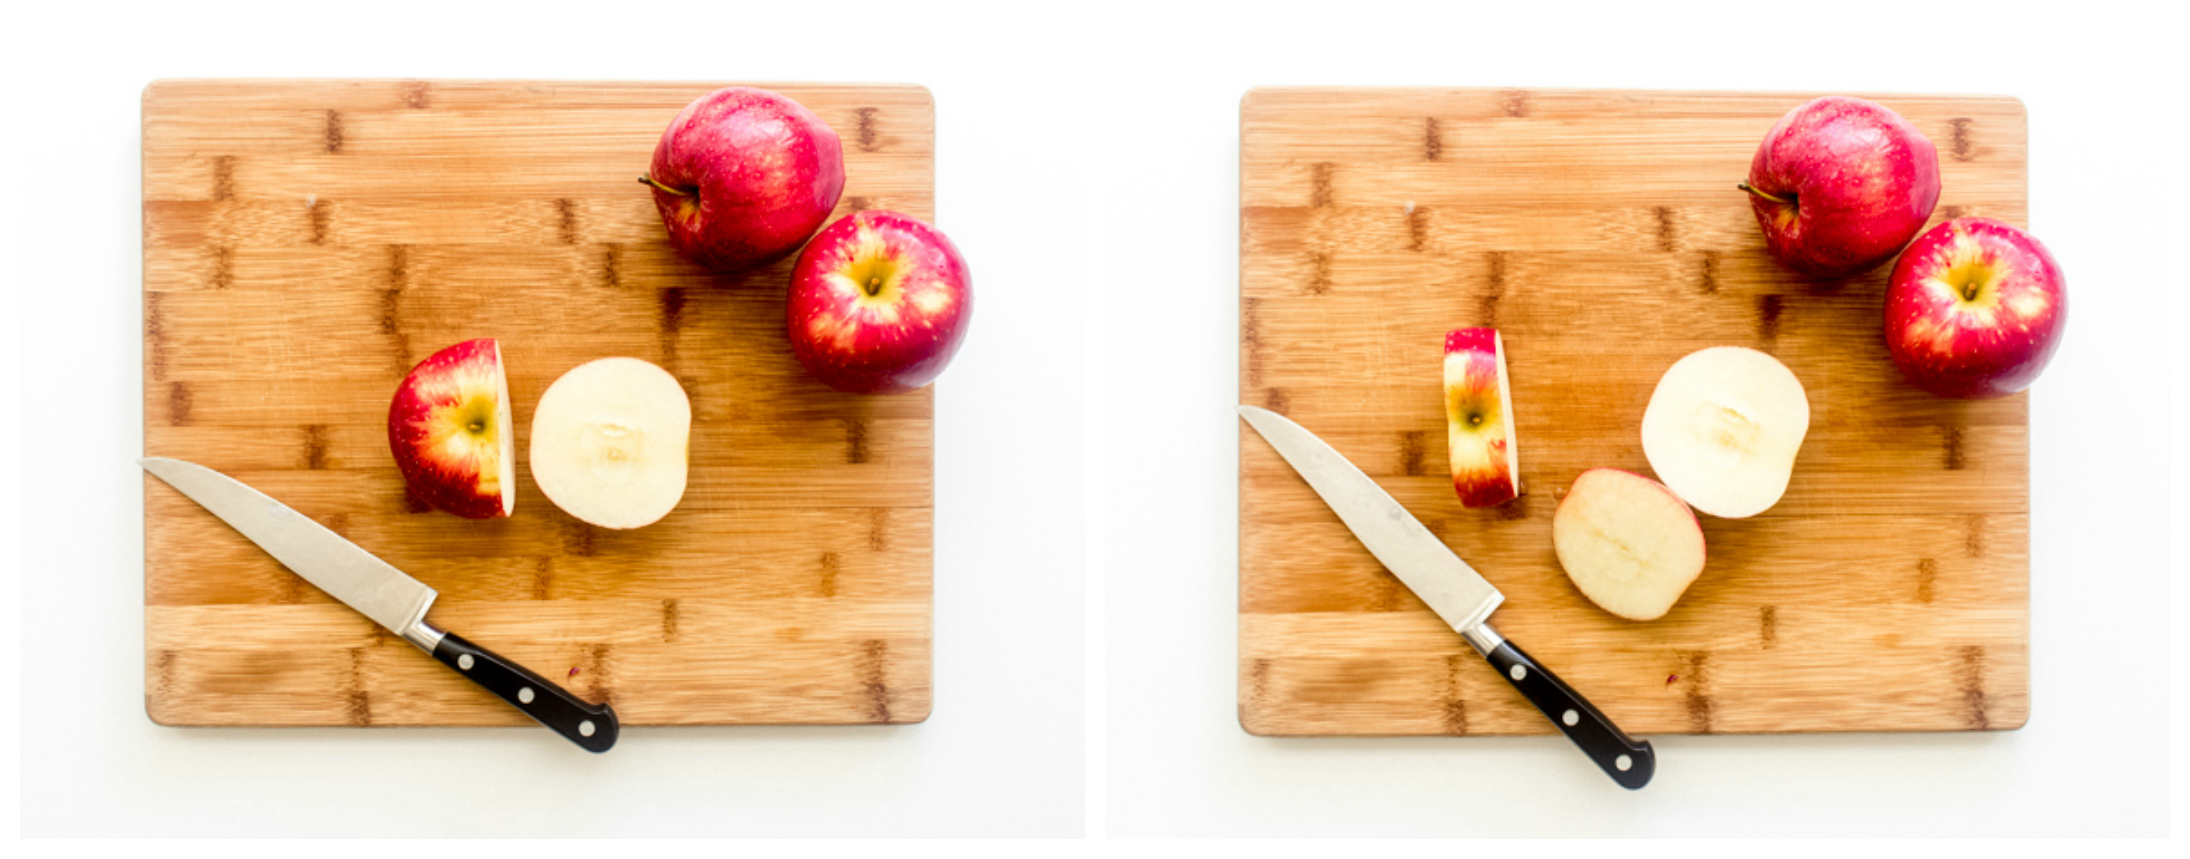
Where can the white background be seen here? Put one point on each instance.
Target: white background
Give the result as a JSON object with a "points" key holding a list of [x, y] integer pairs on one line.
{"points": [[1085, 474]]}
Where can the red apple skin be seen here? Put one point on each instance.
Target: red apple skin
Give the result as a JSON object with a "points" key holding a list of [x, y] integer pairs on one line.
{"points": [[1478, 446], [1853, 182], [441, 429], [752, 174], [1975, 309], [879, 303]]}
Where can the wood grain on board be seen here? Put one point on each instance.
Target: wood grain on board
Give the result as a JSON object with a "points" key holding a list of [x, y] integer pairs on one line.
{"points": [[307, 242], [1602, 233]]}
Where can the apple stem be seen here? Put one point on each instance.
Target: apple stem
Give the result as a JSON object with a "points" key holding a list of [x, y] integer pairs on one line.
{"points": [[874, 286], [649, 180], [1746, 187]]}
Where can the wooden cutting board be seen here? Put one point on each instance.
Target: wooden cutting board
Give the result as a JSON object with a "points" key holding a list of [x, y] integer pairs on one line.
{"points": [[1601, 232], [307, 242]]}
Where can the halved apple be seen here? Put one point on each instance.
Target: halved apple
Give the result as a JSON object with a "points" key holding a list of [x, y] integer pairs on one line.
{"points": [[1723, 427], [1630, 545], [451, 433], [610, 441], [1486, 464]]}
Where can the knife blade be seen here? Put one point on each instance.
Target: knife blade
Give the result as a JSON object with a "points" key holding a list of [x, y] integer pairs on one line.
{"points": [[1455, 591], [386, 595]]}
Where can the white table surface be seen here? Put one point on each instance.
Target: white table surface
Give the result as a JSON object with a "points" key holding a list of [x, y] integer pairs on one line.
{"points": [[1085, 556]]}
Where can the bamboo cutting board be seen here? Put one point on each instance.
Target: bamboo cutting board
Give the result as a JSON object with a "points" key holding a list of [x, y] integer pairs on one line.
{"points": [[307, 242], [1601, 232]]}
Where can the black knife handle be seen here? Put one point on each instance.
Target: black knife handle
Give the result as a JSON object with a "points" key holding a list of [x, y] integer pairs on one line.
{"points": [[1627, 761], [591, 726]]}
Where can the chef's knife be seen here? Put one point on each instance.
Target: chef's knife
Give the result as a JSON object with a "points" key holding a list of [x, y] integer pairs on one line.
{"points": [[1452, 589], [384, 594]]}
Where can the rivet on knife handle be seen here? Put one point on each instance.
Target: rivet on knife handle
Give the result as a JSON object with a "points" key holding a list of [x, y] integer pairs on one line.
{"points": [[1628, 761], [591, 726]]}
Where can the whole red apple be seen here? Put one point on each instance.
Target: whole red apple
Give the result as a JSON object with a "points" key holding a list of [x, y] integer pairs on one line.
{"points": [[449, 427], [1840, 185], [1975, 309], [879, 303], [743, 176]]}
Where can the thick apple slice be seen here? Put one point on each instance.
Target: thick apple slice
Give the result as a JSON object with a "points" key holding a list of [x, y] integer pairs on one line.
{"points": [[1486, 464], [1628, 542], [451, 433], [1723, 428], [609, 442]]}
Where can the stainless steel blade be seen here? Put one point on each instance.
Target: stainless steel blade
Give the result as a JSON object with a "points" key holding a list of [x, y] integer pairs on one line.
{"points": [[1453, 589], [368, 584]]}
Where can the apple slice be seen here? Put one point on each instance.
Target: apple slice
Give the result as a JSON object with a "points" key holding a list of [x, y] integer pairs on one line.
{"points": [[1628, 542], [1486, 465], [450, 430], [609, 442], [1723, 427]]}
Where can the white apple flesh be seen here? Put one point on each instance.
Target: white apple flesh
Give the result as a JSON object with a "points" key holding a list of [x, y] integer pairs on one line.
{"points": [[1723, 427], [610, 442], [1486, 462], [1630, 545]]}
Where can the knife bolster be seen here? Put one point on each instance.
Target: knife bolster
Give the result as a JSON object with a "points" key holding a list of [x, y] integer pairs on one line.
{"points": [[424, 635], [1482, 638]]}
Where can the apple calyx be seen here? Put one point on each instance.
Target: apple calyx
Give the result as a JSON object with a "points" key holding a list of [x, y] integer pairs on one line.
{"points": [[1971, 279], [1971, 284], [875, 272]]}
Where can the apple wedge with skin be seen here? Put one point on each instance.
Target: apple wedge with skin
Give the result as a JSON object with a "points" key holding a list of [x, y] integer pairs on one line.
{"points": [[1723, 427], [450, 430], [1486, 464], [610, 442], [1630, 545]]}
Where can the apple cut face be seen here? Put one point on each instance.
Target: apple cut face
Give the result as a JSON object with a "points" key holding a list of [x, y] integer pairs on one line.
{"points": [[1723, 427], [1628, 542], [610, 442], [449, 427], [1486, 463]]}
